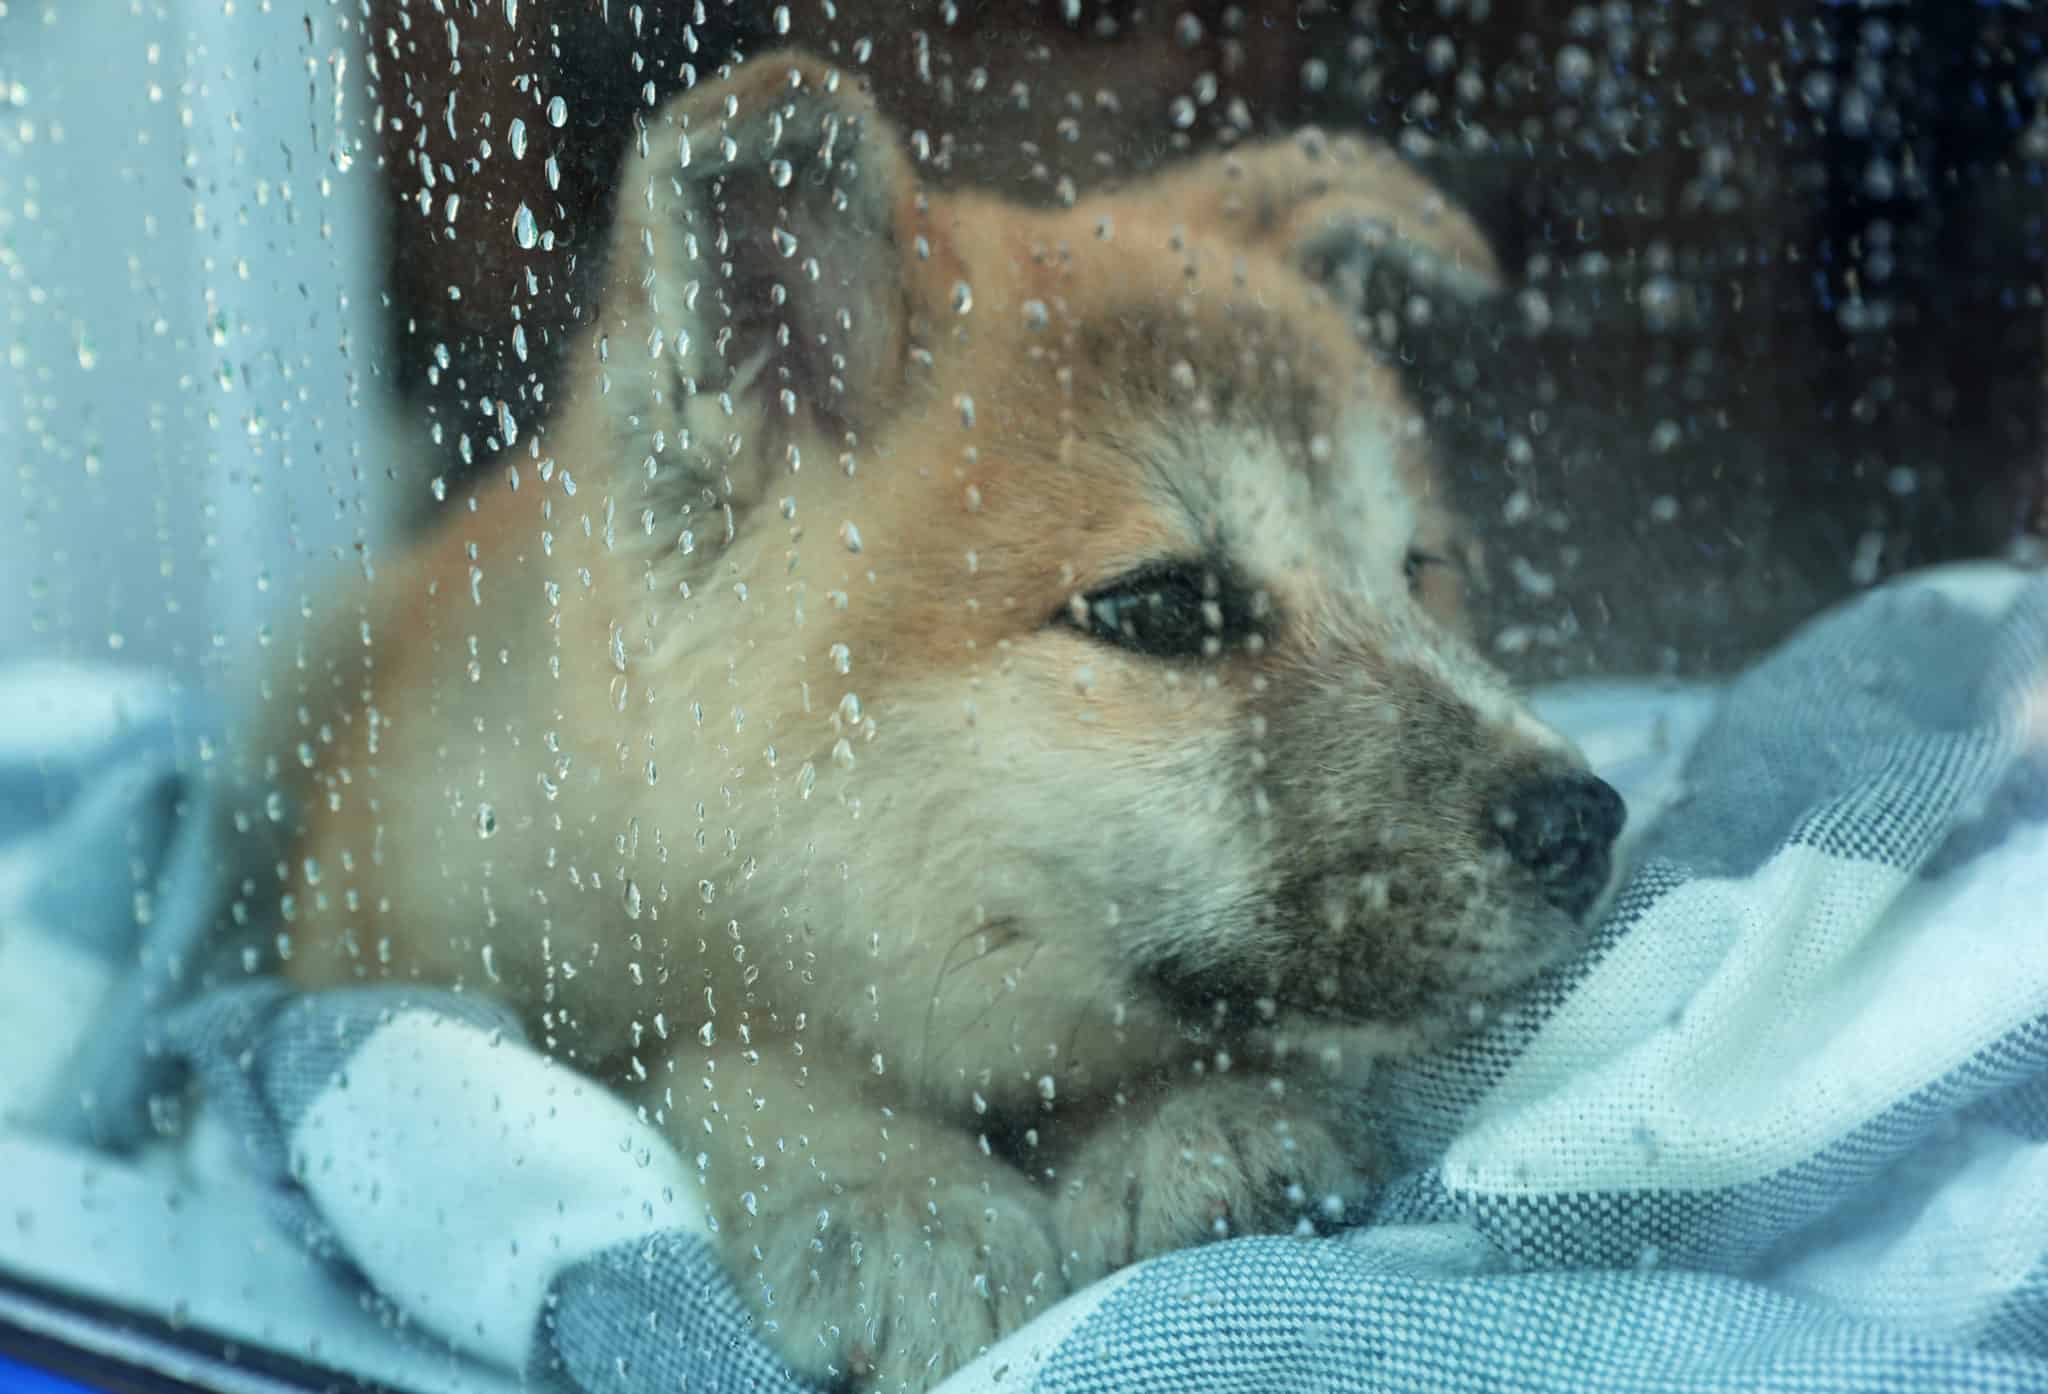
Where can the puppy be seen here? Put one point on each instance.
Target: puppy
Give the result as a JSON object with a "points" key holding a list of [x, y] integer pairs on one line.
{"points": [[960, 713]]}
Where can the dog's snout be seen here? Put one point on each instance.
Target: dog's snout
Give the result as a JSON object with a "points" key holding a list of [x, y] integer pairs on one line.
{"points": [[1562, 829]]}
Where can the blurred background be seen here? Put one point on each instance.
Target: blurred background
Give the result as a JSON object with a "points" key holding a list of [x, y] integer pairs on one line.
{"points": [[1776, 328]]}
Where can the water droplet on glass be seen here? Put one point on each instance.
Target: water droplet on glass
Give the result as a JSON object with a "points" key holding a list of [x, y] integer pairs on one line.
{"points": [[486, 820], [558, 112], [706, 892], [963, 297], [516, 134], [632, 898], [524, 229], [780, 173]]}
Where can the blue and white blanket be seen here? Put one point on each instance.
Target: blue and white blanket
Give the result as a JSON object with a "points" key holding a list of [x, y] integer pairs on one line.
{"points": [[1782, 1126]]}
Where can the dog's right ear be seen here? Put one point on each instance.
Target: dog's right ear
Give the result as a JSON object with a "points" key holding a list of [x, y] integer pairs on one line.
{"points": [[756, 278]]}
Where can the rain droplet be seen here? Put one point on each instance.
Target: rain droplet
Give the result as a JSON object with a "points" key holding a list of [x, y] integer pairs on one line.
{"points": [[850, 535], [524, 230], [706, 892], [516, 134], [632, 897], [558, 112], [780, 173], [486, 820], [963, 297]]}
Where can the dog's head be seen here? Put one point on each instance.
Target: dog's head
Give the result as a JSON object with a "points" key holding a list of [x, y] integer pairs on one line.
{"points": [[1057, 606]]}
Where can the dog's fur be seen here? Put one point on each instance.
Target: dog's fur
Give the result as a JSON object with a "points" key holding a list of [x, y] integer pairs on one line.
{"points": [[759, 728]]}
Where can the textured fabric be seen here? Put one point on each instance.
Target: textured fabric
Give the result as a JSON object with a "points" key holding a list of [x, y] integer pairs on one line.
{"points": [[1783, 1125]]}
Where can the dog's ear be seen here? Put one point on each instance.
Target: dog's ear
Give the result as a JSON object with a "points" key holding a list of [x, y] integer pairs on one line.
{"points": [[1385, 242], [1357, 220], [756, 285]]}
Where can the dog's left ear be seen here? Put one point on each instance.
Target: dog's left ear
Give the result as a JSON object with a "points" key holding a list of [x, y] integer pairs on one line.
{"points": [[1357, 220]]}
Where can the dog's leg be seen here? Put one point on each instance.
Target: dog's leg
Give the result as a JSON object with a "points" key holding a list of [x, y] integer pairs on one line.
{"points": [[1229, 1155], [877, 1246]]}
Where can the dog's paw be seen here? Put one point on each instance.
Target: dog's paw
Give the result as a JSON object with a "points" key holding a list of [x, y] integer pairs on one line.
{"points": [[894, 1285], [1226, 1157]]}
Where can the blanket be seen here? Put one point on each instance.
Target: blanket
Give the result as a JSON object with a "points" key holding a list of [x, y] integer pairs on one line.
{"points": [[1782, 1125]]}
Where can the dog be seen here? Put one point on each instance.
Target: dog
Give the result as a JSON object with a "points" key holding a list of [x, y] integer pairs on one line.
{"points": [[961, 714]]}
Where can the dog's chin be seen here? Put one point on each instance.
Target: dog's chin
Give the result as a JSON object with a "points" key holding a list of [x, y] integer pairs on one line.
{"points": [[1422, 998]]}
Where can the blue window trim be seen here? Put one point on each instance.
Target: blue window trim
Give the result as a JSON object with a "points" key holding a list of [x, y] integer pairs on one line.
{"points": [[17, 1377]]}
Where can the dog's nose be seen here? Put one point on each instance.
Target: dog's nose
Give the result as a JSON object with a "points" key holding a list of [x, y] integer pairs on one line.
{"points": [[1562, 828]]}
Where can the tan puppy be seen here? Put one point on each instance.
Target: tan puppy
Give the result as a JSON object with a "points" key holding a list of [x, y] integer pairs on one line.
{"points": [[960, 714]]}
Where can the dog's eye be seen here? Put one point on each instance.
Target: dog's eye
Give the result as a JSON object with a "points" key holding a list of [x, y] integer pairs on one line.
{"points": [[1417, 564], [1173, 610]]}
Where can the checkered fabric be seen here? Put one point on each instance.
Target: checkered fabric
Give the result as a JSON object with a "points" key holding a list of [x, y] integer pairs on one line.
{"points": [[1783, 1125]]}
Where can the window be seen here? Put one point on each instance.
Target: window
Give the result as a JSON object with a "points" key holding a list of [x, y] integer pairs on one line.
{"points": [[706, 695]]}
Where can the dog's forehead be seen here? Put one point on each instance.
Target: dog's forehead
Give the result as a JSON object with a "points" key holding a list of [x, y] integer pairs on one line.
{"points": [[1272, 440]]}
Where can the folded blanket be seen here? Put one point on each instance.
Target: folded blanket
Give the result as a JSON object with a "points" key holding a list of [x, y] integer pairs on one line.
{"points": [[1783, 1125]]}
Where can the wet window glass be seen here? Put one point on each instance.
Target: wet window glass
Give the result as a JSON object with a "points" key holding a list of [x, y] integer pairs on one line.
{"points": [[1077, 694]]}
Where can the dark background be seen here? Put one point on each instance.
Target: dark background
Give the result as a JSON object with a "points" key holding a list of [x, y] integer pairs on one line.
{"points": [[1779, 324]]}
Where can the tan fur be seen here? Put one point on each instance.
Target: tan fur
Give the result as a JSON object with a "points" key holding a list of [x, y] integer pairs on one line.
{"points": [[973, 955]]}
